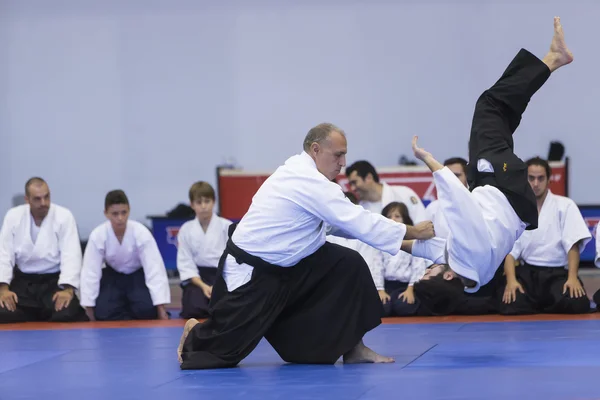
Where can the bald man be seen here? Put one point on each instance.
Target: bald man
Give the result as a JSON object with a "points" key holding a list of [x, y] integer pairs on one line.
{"points": [[280, 279], [40, 260]]}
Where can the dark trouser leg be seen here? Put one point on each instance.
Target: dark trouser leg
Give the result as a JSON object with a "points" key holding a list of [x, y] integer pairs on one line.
{"points": [[484, 301], [475, 305], [194, 304], [327, 301], [111, 304], [398, 307], [596, 298], [525, 303], [238, 321], [21, 314], [401, 308], [72, 313], [138, 296], [34, 293], [553, 300], [45, 290], [500, 108], [390, 288], [27, 306], [497, 115], [331, 308]]}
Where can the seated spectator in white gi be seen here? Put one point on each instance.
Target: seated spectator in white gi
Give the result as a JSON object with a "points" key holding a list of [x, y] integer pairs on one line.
{"points": [[400, 271], [200, 245], [458, 166], [40, 260], [374, 195], [546, 280], [123, 276]]}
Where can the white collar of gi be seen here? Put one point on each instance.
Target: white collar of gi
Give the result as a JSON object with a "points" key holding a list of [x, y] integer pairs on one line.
{"points": [[308, 159]]}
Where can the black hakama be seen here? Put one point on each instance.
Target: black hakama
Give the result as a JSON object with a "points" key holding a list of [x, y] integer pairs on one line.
{"points": [[124, 297], [313, 312], [397, 307], [543, 288], [34, 300], [194, 304], [497, 115]]}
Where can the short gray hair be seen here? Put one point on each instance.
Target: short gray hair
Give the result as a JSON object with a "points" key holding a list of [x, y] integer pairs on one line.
{"points": [[36, 180], [320, 133]]}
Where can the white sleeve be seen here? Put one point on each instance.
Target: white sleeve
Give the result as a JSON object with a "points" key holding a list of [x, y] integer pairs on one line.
{"points": [[374, 260], [333, 231], [326, 200], [462, 213], [517, 249], [574, 228], [7, 252], [185, 260], [70, 253], [416, 209], [91, 273], [155, 271], [433, 249], [597, 258]]}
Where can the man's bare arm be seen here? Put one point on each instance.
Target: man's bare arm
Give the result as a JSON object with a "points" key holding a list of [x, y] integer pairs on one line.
{"points": [[407, 246]]}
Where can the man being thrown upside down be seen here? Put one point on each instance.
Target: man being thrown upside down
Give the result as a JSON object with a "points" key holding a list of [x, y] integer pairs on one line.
{"points": [[486, 219]]}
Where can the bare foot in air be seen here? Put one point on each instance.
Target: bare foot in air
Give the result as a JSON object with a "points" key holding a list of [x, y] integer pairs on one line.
{"points": [[559, 53], [186, 330], [361, 354]]}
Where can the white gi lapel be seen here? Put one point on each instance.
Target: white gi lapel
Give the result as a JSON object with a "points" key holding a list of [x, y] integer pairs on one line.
{"points": [[24, 247], [387, 196], [47, 240], [121, 253]]}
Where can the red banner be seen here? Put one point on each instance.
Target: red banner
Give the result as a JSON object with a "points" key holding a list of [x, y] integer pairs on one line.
{"points": [[236, 188]]}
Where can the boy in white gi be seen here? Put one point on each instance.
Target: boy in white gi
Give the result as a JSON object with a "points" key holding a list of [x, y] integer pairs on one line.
{"points": [[133, 284], [200, 245]]}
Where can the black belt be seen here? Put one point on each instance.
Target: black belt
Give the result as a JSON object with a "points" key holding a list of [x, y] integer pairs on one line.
{"points": [[243, 257], [35, 277]]}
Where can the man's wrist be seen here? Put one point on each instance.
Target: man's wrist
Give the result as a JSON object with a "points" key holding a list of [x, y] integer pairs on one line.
{"points": [[433, 164], [67, 287]]}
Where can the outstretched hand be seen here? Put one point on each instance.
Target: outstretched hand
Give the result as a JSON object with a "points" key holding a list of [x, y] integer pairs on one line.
{"points": [[420, 153], [425, 156]]}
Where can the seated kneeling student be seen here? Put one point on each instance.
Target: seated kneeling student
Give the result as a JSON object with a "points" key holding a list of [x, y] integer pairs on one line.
{"points": [[133, 283], [547, 277], [200, 244]]}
